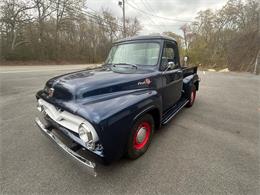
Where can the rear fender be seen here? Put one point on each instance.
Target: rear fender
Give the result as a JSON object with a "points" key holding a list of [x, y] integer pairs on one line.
{"points": [[189, 82]]}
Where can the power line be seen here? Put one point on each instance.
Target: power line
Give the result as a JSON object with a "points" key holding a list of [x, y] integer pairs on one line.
{"points": [[97, 14], [95, 17], [146, 8], [90, 15], [150, 14], [92, 9], [146, 2], [150, 19], [151, 9]]}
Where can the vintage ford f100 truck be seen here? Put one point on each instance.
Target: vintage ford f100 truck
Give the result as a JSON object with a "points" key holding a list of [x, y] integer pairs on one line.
{"points": [[114, 110]]}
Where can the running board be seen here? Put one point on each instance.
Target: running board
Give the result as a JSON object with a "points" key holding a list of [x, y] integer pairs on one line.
{"points": [[171, 112]]}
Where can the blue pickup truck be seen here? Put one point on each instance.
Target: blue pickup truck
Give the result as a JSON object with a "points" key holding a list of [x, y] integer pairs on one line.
{"points": [[114, 110]]}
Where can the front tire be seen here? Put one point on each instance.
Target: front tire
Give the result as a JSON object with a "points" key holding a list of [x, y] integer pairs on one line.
{"points": [[140, 136]]}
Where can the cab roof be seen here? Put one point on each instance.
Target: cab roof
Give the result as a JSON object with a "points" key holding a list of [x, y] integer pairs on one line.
{"points": [[145, 37]]}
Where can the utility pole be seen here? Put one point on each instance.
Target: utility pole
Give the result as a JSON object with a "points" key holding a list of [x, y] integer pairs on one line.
{"points": [[122, 4], [256, 69], [257, 61]]}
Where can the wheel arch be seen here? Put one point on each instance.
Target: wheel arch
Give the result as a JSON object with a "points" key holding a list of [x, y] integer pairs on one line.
{"points": [[189, 82], [154, 112]]}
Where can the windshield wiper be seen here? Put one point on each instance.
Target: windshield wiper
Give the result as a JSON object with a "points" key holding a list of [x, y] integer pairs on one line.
{"points": [[125, 64]]}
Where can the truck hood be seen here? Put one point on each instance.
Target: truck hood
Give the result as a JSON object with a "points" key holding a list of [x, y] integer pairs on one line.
{"points": [[85, 83]]}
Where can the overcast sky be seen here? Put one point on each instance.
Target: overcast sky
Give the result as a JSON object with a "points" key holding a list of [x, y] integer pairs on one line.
{"points": [[177, 10]]}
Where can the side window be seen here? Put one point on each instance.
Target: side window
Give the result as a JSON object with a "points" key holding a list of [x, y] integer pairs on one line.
{"points": [[169, 55]]}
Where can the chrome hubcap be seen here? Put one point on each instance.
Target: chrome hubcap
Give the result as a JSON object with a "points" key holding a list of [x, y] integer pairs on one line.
{"points": [[141, 135]]}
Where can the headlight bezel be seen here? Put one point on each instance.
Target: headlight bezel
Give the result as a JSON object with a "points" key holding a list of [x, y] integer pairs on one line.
{"points": [[87, 134]]}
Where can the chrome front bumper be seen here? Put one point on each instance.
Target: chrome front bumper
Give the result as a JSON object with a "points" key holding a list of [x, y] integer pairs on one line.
{"points": [[82, 160]]}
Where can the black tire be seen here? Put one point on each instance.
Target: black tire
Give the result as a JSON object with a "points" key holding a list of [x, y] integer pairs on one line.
{"points": [[192, 96], [134, 148]]}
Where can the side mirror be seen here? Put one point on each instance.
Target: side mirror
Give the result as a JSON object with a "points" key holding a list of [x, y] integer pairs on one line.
{"points": [[170, 65], [185, 59]]}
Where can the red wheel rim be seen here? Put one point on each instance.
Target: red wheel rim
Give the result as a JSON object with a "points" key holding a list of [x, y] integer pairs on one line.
{"points": [[142, 135]]}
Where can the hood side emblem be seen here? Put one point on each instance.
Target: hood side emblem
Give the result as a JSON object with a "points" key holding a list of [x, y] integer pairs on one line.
{"points": [[145, 82], [50, 92]]}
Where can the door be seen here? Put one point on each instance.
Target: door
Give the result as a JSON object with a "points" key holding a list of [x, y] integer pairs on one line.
{"points": [[172, 78]]}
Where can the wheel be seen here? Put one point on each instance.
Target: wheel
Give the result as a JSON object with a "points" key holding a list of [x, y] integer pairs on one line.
{"points": [[140, 136], [192, 97]]}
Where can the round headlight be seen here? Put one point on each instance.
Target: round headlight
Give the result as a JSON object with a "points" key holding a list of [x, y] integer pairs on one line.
{"points": [[85, 133]]}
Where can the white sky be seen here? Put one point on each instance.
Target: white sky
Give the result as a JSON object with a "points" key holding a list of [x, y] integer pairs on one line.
{"points": [[174, 9]]}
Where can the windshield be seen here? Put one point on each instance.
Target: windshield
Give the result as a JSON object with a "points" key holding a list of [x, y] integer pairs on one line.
{"points": [[134, 53]]}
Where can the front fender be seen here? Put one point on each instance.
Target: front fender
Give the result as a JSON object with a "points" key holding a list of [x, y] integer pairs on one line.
{"points": [[116, 116]]}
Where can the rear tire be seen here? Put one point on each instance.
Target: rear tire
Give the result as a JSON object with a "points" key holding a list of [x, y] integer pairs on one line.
{"points": [[192, 97], [140, 136]]}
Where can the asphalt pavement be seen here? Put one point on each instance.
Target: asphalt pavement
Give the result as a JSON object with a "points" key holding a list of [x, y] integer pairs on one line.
{"points": [[211, 148]]}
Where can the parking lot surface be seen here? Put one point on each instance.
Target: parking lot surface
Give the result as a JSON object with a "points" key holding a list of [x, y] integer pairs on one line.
{"points": [[211, 148]]}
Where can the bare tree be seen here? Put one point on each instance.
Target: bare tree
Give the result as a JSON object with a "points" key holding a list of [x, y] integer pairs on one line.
{"points": [[58, 30], [228, 37], [132, 27], [44, 8], [13, 18]]}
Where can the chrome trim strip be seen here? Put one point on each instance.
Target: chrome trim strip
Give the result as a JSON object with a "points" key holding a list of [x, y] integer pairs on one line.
{"points": [[175, 113], [90, 165]]}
